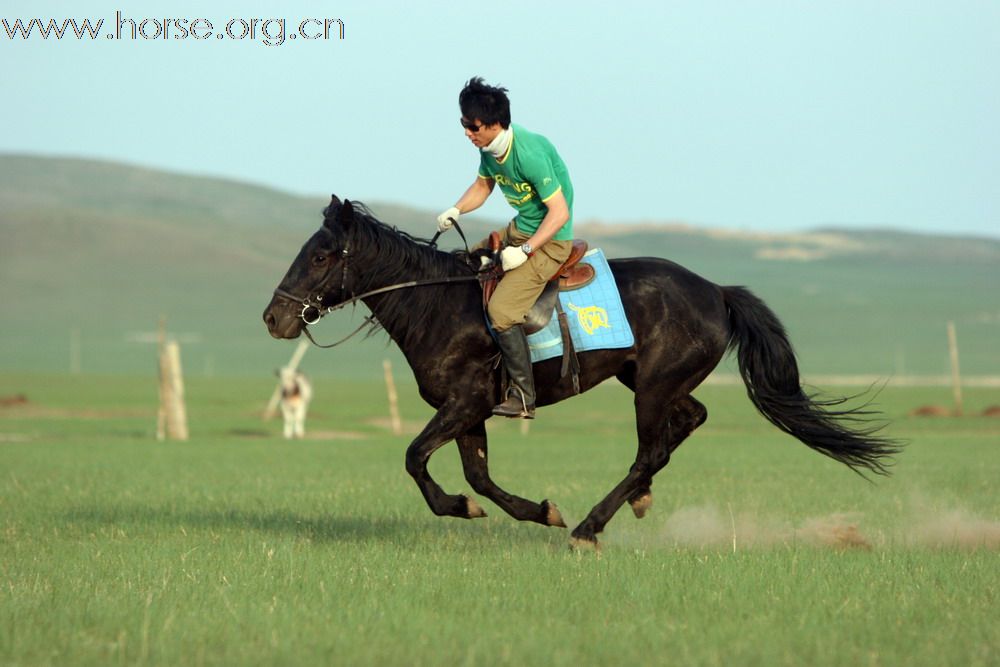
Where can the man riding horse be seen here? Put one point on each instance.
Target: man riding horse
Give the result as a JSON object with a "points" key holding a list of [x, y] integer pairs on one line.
{"points": [[536, 183]]}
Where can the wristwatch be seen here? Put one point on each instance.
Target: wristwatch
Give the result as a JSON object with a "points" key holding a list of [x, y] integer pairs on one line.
{"points": [[526, 249]]}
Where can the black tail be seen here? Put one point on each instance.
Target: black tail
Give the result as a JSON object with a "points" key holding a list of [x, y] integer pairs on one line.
{"points": [[767, 364]]}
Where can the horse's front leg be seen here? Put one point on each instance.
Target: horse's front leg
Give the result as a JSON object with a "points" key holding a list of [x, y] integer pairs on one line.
{"points": [[475, 465], [446, 425]]}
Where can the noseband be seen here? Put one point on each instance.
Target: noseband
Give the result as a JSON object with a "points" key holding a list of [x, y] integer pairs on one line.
{"points": [[309, 302]]}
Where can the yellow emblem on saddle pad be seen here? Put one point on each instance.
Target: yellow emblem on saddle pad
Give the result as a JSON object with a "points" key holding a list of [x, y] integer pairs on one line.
{"points": [[591, 318], [601, 324]]}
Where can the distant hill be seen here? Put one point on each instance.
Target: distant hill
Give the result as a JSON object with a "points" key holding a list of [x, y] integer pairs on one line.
{"points": [[104, 249]]}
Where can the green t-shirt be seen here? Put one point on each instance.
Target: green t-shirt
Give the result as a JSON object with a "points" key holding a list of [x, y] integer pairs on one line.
{"points": [[529, 175]]}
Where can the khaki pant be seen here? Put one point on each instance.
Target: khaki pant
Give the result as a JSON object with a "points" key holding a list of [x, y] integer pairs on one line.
{"points": [[519, 289]]}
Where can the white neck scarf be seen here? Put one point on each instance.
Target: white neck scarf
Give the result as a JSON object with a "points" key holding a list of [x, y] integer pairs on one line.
{"points": [[498, 147]]}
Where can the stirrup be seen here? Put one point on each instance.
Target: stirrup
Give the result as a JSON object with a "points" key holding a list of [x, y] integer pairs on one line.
{"points": [[514, 407]]}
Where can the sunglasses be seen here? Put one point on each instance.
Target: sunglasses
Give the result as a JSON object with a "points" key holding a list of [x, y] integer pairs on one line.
{"points": [[469, 125]]}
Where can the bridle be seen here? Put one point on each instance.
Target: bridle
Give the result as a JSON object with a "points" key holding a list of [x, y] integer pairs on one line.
{"points": [[310, 303]]}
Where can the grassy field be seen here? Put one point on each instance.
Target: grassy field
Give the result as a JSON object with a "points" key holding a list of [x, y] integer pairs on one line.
{"points": [[239, 548]]}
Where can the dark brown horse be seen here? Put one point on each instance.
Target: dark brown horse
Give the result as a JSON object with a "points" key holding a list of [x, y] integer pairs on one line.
{"points": [[683, 326]]}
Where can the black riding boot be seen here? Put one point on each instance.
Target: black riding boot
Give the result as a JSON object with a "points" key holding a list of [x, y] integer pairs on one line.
{"points": [[520, 400]]}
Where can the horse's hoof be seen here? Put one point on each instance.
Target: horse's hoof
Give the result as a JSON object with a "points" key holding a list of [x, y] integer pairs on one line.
{"points": [[641, 504], [552, 515], [473, 510], [581, 544]]}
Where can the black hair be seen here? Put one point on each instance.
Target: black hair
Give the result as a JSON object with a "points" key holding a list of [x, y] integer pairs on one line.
{"points": [[488, 104]]}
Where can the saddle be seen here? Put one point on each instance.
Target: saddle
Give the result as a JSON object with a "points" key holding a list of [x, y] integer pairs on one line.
{"points": [[571, 275]]}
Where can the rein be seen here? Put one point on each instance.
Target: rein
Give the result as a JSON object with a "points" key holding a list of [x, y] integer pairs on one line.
{"points": [[308, 303], [437, 235]]}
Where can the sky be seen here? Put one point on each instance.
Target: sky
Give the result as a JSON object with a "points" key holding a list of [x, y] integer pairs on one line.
{"points": [[758, 116]]}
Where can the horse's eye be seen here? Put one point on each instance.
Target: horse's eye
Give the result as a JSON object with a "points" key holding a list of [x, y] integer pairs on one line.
{"points": [[319, 259]]}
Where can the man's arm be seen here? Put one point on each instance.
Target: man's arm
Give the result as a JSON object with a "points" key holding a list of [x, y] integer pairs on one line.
{"points": [[476, 195], [555, 218], [512, 257]]}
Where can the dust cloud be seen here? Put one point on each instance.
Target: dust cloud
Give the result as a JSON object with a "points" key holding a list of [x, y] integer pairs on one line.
{"points": [[956, 528], [714, 527]]}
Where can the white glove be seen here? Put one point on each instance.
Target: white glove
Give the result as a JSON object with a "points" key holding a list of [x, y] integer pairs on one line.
{"points": [[512, 257], [447, 219]]}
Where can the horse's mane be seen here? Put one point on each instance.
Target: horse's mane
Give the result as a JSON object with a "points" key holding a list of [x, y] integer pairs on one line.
{"points": [[398, 248], [388, 256]]}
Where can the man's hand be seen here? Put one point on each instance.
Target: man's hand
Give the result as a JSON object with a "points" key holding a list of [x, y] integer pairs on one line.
{"points": [[447, 219], [512, 257]]}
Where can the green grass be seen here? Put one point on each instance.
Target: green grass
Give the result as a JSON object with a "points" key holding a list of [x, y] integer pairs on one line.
{"points": [[240, 548]]}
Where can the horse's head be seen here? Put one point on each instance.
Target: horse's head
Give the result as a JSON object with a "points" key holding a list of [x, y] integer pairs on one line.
{"points": [[317, 277]]}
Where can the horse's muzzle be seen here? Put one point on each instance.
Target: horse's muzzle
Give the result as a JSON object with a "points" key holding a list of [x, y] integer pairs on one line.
{"points": [[282, 322]]}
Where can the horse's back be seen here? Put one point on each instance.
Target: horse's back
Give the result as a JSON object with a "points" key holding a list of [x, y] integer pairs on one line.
{"points": [[669, 302], [675, 284]]}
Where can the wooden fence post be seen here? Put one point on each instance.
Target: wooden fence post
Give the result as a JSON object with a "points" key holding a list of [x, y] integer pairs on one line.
{"points": [[956, 376], [390, 387], [172, 415]]}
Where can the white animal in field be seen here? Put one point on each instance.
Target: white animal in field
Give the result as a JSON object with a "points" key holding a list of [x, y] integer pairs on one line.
{"points": [[296, 392]]}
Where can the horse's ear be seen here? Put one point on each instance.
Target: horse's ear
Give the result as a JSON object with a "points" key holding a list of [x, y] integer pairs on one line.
{"points": [[345, 214], [338, 213]]}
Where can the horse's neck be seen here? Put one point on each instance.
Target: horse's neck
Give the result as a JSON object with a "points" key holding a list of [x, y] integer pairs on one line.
{"points": [[384, 269], [410, 313]]}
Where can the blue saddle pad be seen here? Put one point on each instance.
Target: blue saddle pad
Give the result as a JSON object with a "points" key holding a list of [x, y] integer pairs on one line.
{"points": [[595, 313]]}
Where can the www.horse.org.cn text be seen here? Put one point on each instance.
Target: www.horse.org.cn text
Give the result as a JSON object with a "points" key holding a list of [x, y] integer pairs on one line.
{"points": [[270, 32]]}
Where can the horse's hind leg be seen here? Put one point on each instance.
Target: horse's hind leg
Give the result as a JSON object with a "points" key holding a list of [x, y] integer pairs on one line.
{"points": [[682, 419], [660, 433], [475, 464]]}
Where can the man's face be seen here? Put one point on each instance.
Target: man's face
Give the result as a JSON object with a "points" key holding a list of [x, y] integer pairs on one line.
{"points": [[480, 135]]}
